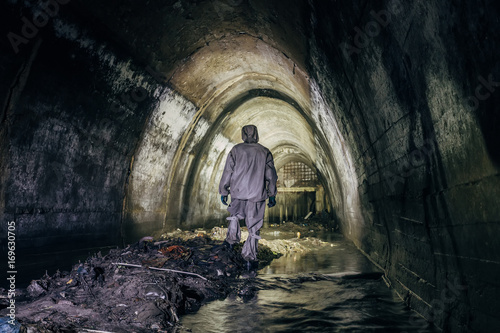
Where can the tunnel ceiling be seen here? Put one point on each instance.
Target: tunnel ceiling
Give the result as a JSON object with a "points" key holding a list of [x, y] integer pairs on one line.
{"points": [[175, 30], [227, 80], [214, 51]]}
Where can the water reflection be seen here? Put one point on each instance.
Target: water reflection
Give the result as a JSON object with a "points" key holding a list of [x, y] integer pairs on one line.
{"points": [[326, 290], [340, 256]]}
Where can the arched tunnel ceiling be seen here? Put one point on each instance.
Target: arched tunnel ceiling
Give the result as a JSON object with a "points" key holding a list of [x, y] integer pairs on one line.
{"points": [[174, 30], [238, 63]]}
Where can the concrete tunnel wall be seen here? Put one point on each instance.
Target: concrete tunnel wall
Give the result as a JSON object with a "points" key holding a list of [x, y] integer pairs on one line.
{"points": [[111, 127]]}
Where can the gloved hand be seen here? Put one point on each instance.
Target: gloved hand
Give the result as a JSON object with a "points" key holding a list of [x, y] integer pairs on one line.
{"points": [[223, 198], [272, 202]]}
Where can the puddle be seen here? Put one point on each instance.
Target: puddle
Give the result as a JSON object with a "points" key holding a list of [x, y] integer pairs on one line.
{"points": [[329, 289]]}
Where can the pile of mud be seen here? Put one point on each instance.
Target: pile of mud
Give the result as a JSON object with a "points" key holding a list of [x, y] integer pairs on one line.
{"points": [[142, 288]]}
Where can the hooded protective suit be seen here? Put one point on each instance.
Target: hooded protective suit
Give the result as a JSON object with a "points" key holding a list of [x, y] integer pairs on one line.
{"points": [[249, 173], [250, 178]]}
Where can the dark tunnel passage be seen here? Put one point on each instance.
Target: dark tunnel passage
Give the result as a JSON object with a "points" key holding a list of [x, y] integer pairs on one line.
{"points": [[117, 117]]}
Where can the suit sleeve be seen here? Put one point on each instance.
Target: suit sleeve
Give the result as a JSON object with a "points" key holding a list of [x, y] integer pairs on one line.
{"points": [[225, 181], [270, 176]]}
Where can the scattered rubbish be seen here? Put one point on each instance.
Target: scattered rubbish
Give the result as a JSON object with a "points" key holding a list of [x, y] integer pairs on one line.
{"points": [[35, 289], [82, 271], [176, 251], [154, 292], [99, 275], [146, 239], [159, 269], [148, 285], [144, 287]]}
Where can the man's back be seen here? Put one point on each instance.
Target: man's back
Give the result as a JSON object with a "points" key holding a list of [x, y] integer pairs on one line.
{"points": [[248, 177], [249, 173]]}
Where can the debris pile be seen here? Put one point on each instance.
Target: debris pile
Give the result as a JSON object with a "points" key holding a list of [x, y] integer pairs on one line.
{"points": [[295, 244], [142, 288], [309, 227]]}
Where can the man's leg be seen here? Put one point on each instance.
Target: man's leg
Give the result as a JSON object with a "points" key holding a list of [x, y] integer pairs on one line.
{"points": [[236, 209], [233, 230], [254, 221]]}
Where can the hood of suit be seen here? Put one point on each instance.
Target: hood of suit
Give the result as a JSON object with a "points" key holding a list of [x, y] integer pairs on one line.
{"points": [[249, 134]]}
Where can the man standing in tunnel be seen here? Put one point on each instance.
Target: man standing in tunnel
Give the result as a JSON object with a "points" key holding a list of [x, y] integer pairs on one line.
{"points": [[249, 175]]}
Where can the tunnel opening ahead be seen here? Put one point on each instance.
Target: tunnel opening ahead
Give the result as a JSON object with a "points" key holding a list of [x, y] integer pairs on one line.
{"points": [[301, 196]]}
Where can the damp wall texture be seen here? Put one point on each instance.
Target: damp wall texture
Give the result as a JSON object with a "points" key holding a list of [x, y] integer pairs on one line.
{"points": [[414, 87], [73, 112]]}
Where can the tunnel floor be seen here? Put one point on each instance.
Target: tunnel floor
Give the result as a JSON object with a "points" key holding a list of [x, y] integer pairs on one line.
{"points": [[330, 289], [327, 286]]}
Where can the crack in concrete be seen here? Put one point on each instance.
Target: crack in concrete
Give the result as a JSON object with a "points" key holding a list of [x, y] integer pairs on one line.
{"points": [[19, 83]]}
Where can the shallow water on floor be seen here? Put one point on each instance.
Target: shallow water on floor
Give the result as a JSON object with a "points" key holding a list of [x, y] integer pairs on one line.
{"points": [[331, 289]]}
